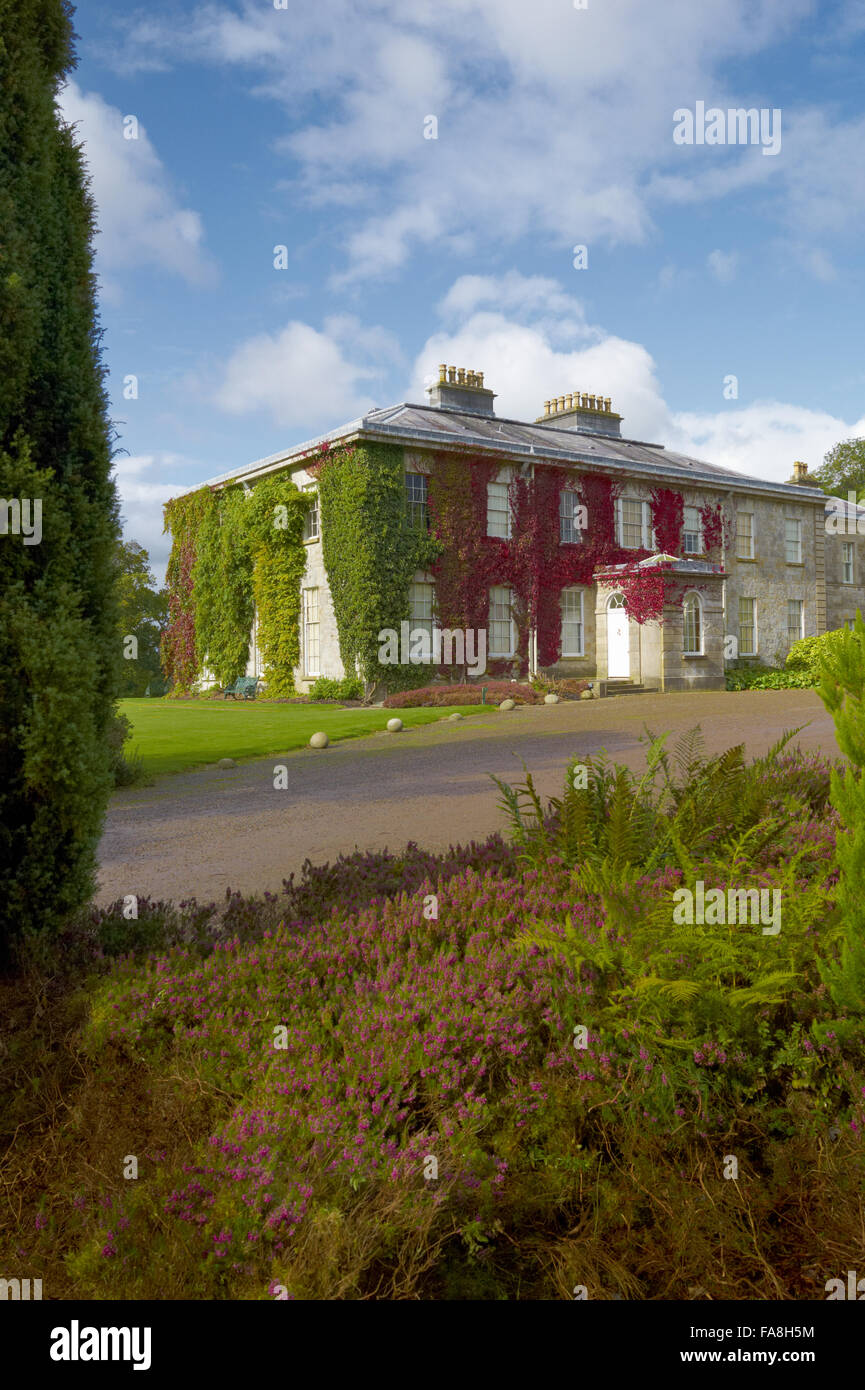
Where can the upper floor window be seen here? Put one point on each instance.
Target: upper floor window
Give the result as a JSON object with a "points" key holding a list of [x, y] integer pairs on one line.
{"points": [[692, 531], [744, 535], [793, 541], [311, 520], [569, 517], [635, 527], [847, 559], [416, 495], [498, 510]]}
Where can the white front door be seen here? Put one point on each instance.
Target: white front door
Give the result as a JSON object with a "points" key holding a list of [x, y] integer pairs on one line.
{"points": [[618, 640]]}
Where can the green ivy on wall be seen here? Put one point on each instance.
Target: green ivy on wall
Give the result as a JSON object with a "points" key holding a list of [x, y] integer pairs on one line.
{"points": [[275, 515], [232, 554], [369, 546], [178, 654], [222, 583]]}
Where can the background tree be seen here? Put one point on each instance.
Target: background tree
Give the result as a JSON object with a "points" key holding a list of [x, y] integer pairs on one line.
{"points": [[143, 609], [59, 653], [843, 469]]}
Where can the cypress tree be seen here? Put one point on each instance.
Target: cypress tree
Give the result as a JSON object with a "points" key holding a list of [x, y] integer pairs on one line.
{"points": [[59, 654]]}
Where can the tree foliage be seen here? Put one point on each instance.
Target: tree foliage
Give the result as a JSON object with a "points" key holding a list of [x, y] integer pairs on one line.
{"points": [[59, 650], [143, 612], [843, 469]]}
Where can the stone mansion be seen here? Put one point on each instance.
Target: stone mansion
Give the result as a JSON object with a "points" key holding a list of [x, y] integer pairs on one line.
{"points": [[789, 563]]}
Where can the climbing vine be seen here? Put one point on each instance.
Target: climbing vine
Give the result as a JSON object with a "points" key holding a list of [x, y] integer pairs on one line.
{"points": [[233, 553], [668, 512], [370, 548], [178, 653], [222, 579], [717, 528], [275, 515]]}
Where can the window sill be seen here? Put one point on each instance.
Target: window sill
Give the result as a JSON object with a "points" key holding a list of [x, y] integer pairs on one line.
{"points": [[313, 540], [694, 656], [795, 564], [746, 559]]}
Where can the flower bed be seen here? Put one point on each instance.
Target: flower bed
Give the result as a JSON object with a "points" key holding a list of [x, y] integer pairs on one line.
{"points": [[437, 695]]}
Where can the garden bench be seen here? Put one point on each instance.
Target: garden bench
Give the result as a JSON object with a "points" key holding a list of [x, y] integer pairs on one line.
{"points": [[244, 686]]}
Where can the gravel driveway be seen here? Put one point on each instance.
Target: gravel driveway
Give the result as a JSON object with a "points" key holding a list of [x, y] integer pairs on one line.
{"points": [[195, 834]]}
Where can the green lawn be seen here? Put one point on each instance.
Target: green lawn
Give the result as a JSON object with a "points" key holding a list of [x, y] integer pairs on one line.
{"points": [[171, 735]]}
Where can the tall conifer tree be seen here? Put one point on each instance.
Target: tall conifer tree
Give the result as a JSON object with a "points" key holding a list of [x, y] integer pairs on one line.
{"points": [[58, 638]]}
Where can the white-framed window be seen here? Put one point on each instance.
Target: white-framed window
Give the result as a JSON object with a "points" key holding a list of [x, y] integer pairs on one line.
{"points": [[311, 633], [744, 535], [792, 541], [569, 517], [747, 627], [311, 530], [421, 600], [692, 531], [850, 624], [417, 500], [499, 510], [847, 560], [572, 622], [501, 624], [634, 523], [692, 615], [795, 619]]}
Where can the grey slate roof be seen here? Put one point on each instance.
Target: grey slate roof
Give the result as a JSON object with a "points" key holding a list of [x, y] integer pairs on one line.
{"points": [[432, 427]]}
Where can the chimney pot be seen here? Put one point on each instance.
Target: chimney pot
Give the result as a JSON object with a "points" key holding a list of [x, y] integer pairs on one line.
{"points": [[452, 375], [443, 371], [546, 407]]}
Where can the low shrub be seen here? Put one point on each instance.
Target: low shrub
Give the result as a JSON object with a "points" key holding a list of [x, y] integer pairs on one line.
{"points": [[768, 678], [126, 768], [439, 695], [809, 654], [326, 688]]}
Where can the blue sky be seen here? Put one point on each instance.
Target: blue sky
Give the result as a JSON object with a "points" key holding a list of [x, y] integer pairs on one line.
{"points": [[304, 127]]}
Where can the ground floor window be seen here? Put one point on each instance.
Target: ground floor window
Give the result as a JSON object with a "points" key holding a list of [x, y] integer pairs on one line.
{"points": [[795, 619], [693, 621], [572, 622], [501, 633], [747, 626], [311, 633], [421, 598]]}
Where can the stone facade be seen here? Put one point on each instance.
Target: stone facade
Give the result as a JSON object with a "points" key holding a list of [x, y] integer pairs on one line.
{"points": [[788, 570]]}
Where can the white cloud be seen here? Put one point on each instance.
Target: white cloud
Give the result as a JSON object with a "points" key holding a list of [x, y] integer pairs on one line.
{"points": [[553, 122], [305, 378], [762, 439], [144, 488], [526, 361], [723, 265], [140, 220]]}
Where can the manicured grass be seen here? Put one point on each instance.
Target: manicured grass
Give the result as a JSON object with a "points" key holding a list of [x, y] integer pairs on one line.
{"points": [[172, 735]]}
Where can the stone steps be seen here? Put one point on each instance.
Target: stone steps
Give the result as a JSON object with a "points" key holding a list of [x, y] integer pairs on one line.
{"points": [[624, 687]]}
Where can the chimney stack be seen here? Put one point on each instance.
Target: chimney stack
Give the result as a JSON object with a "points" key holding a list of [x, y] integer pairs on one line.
{"points": [[800, 474], [582, 412], [461, 388]]}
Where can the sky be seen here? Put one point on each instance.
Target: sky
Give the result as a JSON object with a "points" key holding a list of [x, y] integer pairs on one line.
{"points": [[303, 208]]}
